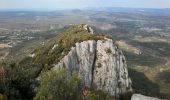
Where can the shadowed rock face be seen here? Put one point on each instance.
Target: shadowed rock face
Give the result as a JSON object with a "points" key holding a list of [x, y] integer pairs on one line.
{"points": [[100, 64]]}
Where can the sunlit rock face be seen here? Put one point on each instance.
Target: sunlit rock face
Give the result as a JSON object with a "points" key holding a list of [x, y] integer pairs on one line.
{"points": [[110, 70], [142, 97], [100, 64]]}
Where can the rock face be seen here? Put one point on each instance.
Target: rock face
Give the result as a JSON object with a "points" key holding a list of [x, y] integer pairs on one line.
{"points": [[142, 97], [99, 64]]}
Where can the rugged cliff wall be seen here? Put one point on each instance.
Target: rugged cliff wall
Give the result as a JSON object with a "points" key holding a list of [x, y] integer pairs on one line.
{"points": [[99, 64]]}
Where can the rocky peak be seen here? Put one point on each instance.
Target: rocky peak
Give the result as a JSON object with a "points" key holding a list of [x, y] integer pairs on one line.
{"points": [[100, 64]]}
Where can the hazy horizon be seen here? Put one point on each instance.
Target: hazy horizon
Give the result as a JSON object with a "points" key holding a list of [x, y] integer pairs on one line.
{"points": [[50, 5]]}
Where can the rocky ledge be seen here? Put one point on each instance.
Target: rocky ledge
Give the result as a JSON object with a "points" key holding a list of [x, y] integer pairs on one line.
{"points": [[142, 97]]}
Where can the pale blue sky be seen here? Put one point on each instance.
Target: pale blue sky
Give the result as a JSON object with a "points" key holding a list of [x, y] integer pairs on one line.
{"points": [[67, 4]]}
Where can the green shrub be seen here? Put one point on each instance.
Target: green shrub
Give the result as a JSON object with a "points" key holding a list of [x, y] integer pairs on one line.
{"points": [[19, 85], [100, 95], [56, 86]]}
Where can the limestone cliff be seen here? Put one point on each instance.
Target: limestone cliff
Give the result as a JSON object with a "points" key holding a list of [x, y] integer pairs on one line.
{"points": [[100, 64]]}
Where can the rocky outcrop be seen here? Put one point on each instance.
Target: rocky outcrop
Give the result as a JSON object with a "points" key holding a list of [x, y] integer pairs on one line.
{"points": [[88, 28], [142, 97], [32, 55], [99, 64], [110, 71]]}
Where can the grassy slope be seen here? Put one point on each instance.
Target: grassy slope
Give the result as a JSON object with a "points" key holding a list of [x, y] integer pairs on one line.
{"points": [[46, 57]]}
